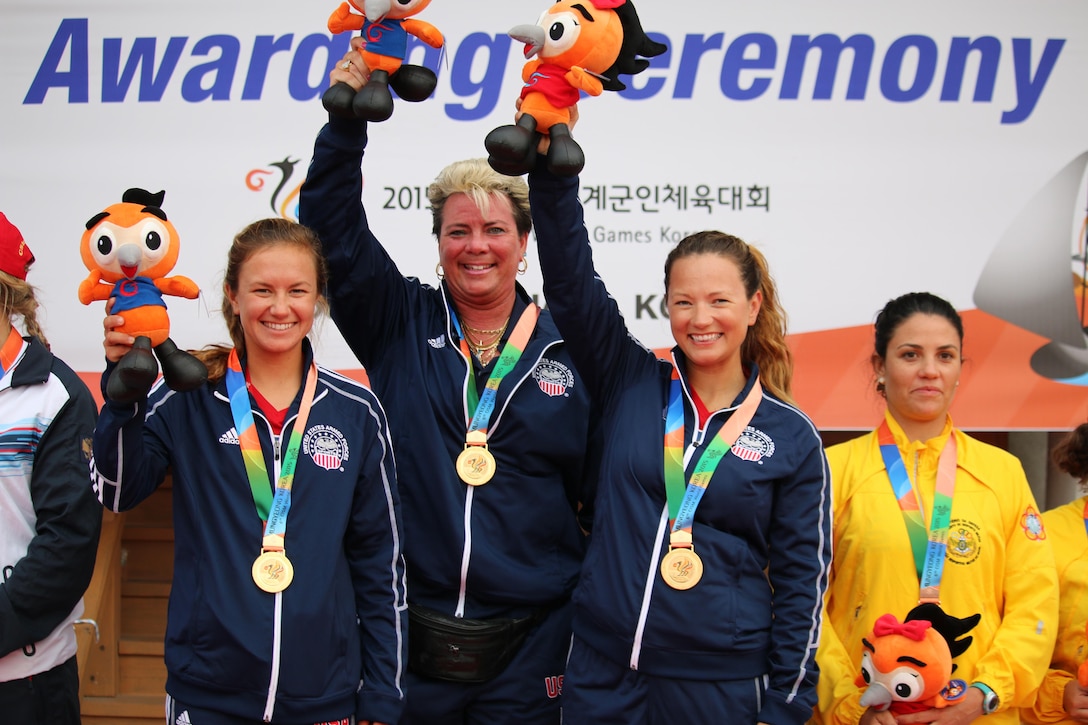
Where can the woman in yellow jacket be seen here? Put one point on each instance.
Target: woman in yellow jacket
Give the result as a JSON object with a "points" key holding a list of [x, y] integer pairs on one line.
{"points": [[997, 561], [1060, 699]]}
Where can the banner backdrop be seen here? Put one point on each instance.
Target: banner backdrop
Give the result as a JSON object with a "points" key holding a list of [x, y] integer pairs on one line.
{"points": [[868, 150]]}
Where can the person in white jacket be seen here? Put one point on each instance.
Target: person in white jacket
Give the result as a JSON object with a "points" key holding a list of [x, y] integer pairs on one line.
{"points": [[49, 517]]}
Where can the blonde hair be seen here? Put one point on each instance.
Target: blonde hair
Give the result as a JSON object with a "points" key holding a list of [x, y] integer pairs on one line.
{"points": [[17, 298], [765, 343], [258, 236], [476, 179]]}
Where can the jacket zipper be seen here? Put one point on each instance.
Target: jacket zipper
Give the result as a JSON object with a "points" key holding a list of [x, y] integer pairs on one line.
{"points": [[466, 550], [640, 628], [274, 677]]}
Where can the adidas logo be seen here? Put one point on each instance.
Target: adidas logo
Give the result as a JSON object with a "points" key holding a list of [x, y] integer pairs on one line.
{"points": [[183, 718], [231, 439], [437, 342]]}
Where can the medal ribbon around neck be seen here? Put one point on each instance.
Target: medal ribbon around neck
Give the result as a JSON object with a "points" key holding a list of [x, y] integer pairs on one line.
{"points": [[272, 511], [928, 547], [10, 351], [683, 496], [477, 466]]}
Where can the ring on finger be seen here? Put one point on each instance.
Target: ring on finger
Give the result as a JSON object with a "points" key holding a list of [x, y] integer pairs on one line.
{"points": [[345, 65]]}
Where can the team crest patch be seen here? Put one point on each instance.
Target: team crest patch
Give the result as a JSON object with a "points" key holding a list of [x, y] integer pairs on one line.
{"points": [[1032, 524], [554, 378], [326, 446], [753, 445], [964, 541]]}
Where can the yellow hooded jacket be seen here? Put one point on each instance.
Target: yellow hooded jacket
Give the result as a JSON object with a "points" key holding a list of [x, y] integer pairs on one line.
{"points": [[998, 563], [1065, 530]]}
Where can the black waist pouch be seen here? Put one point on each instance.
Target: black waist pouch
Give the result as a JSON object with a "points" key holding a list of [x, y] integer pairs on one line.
{"points": [[463, 650]]}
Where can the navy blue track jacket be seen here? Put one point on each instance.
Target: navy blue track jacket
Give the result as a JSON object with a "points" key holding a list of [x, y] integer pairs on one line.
{"points": [[762, 529], [334, 642], [501, 549]]}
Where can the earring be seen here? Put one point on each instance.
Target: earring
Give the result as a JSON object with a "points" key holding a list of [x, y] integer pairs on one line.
{"points": [[880, 380], [523, 265], [439, 271]]}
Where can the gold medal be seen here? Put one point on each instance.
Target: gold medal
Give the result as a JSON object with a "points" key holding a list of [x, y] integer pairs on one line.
{"points": [[681, 568], [475, 465], [272, 571]]}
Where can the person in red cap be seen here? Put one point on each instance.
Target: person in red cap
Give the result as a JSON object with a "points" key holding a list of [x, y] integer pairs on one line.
{"points": [[49, 516], [15, 255]]}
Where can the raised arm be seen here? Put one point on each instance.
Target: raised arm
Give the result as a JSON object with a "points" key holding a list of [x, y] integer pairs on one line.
{"points": [[588, 318], [366, 290]]}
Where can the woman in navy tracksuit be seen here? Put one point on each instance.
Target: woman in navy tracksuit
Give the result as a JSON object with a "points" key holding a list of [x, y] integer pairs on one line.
{"points": [[655, 642], [478, 556], [330, 647]]}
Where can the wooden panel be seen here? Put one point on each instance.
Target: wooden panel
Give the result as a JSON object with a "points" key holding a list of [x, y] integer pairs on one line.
{"points": [[144, 646], [102, 591], [99, 675], [145, 589], [115, 709], [148, 533], [156, 510], [123, 682], [143, 617], [143, 675], [148, 560]]}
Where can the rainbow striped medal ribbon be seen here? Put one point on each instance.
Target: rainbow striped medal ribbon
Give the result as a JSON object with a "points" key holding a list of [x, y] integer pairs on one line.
{"points": [[10, 350], [475, 464], [272, 571], [681, 567], [928, 547]]}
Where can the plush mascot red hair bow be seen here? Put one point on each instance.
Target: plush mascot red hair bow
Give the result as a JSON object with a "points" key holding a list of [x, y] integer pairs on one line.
{"points": [[888, 624]]}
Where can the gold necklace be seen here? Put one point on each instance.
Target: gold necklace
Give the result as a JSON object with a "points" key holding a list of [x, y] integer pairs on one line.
{"points": [[485, 353], [484, 333]]}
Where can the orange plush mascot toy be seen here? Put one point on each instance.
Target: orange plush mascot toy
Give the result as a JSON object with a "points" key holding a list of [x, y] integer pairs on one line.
{"points": [[1082, 671], [581, 45], [129, 248], [386, 25], [907, 666]]}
